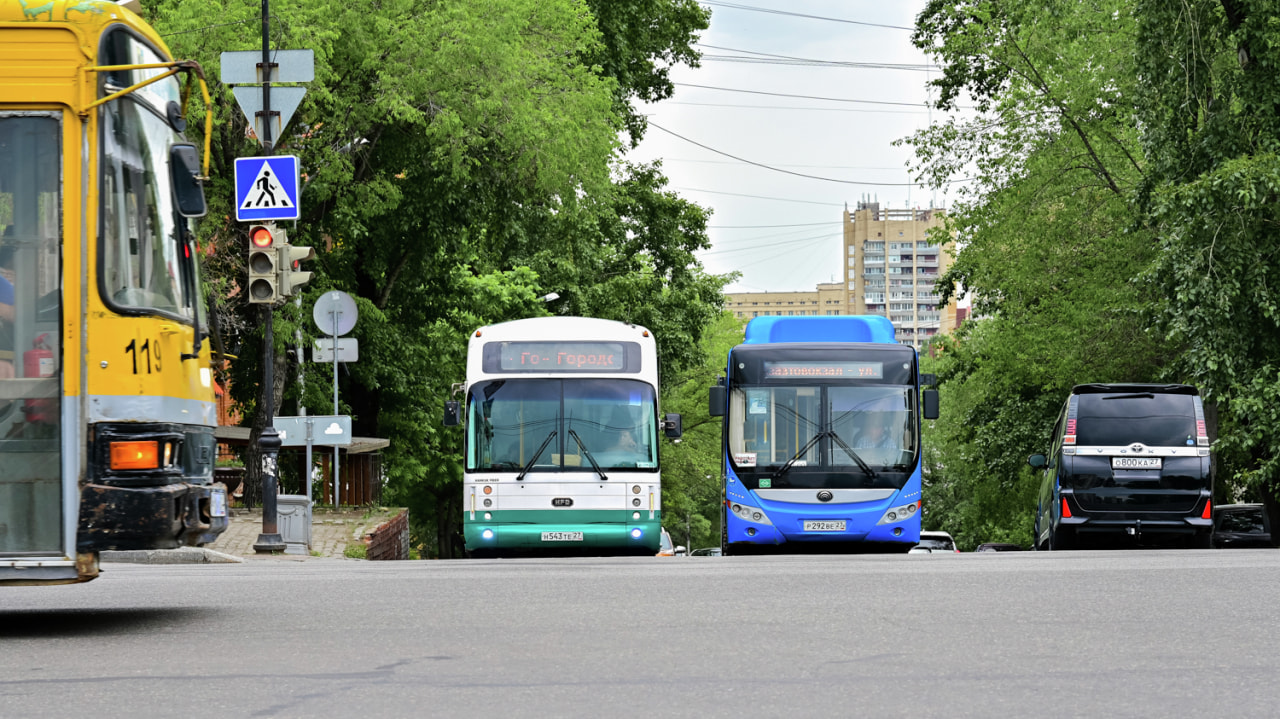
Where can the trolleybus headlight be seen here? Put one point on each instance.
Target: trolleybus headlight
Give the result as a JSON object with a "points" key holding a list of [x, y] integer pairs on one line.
{"points": [[897, 514], [635, 515], [488, 515], [487, 534], [751, 514], [637, 533]]}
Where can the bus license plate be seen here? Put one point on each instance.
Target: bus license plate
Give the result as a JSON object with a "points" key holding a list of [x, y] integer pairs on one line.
{"points": [[562, 536], [824, 525], [1135, 462]]}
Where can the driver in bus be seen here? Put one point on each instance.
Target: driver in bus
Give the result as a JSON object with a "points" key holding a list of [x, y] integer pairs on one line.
{"points": [[879, 435]]}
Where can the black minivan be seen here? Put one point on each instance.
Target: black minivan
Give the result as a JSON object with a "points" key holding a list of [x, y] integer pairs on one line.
{"points": [[1126, 460]]}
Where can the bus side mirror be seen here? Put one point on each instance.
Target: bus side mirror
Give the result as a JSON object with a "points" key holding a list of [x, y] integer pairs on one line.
{"points": [[184, 172], [930, 397], [673, 426], [716, 401], [452, 413], [1037, 460]]}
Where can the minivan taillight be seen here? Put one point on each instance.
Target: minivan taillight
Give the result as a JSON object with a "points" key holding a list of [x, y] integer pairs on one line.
{"points": [[1066, 511], [1208, 509]]}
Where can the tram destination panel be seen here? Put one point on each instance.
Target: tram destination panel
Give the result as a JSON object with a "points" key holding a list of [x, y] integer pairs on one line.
{"points": [[571, 357]]}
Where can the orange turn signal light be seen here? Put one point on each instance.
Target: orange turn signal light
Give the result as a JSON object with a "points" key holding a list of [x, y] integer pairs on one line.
{"points": [[135, 455]]}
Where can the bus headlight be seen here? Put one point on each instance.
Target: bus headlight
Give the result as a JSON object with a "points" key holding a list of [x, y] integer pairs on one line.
{"points": [[750, 514], [487, 534], [897, 514]]}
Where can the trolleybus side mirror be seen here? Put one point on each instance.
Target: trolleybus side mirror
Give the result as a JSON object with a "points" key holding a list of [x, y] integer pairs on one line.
{"points": [[452, 413], [930, 397], [673, 426], [184, 171], [716, 401], [1037, 460]]}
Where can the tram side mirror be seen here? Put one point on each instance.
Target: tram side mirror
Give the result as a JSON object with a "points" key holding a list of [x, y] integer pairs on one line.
{"points": [[930, 397], [452, 413], [1037, 460], [716, 401], [672, 426], [184, 171]]}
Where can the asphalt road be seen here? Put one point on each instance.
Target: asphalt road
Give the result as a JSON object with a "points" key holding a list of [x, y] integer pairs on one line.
{"points": [[1135, 633]]}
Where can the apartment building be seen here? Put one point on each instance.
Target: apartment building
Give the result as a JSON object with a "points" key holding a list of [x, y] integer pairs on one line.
{"points": [[891, 269]]}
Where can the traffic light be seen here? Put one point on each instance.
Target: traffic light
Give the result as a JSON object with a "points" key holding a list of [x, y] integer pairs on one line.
{"points": [[264, 256], [292, 278]]}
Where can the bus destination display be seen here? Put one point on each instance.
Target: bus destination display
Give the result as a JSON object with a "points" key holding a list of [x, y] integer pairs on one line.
{"points": [[844, 370], [563, 356]]}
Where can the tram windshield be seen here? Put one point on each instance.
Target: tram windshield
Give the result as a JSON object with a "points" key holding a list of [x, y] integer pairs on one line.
{"points": [[147, 257]]}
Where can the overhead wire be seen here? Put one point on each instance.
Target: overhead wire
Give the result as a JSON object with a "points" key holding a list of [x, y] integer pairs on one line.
{"points": [[752, 8]]}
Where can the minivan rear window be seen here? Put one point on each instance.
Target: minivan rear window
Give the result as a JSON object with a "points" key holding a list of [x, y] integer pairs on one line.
{"points": [[1156, 420]]}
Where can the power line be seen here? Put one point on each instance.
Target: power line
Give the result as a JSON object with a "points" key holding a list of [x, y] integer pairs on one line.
{"points": [[791, 59], [758, 197], [825, 167], [793, 107], [804, 97], [736, 6], [769, 245], [779, 169], [768, 227]]}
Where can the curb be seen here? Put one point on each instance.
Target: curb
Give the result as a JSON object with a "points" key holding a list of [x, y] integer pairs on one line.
{"points": [[181, 555]]}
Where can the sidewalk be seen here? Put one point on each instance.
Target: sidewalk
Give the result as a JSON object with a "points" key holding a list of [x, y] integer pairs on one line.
{"points": [[331, 533]]}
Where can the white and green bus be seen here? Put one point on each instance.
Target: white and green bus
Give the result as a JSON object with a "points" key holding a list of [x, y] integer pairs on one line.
{"points": [[562, 431]]}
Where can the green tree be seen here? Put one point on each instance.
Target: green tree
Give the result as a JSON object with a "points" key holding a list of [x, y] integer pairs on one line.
{"points": [[1050, 245]]}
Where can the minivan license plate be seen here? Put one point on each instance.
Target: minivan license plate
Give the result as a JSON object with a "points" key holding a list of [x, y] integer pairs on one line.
{"points": [[824, 525], [562, 536], [1135, 463]]}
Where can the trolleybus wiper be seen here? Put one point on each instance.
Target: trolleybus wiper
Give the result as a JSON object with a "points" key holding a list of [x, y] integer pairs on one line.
{"points": [[807, 445], [852, 454], [535, 456], [590, 459]]}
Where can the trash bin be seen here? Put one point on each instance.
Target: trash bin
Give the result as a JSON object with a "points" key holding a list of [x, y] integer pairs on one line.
{"points": [[293, 513]]}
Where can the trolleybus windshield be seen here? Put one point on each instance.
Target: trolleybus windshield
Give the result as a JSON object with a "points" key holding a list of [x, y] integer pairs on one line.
{"points": [[612, 421]]}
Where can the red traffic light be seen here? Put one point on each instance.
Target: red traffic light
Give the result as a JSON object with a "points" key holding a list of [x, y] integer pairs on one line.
{"points": [[260, 237]]}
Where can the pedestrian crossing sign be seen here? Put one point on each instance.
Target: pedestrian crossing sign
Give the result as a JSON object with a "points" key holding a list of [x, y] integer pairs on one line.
{"points": [[267, 188]]}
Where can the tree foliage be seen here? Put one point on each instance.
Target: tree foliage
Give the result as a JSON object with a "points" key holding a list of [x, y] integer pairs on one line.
{"points": [[460, 159]]}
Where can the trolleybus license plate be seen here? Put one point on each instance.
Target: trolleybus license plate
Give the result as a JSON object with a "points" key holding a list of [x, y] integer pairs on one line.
{"points": [[1135, 463], [562, 536], [827, 525]]}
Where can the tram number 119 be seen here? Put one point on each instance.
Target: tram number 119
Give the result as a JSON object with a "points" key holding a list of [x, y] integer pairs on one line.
{"points": [[147, 351]]}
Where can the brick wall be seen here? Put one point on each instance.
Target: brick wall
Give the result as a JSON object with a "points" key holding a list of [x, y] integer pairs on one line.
{"points": [[391, 539]]}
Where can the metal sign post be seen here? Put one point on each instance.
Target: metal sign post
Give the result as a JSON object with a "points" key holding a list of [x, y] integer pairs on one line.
{"points": [[335, 314]]}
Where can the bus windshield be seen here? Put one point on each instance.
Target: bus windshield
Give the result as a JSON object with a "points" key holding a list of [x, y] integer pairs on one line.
{"points": [[822, 426], [573, 421]]}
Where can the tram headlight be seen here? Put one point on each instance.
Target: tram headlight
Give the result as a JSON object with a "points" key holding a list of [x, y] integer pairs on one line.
{"points": [[750, 514], [897, 514], [135, 455]]}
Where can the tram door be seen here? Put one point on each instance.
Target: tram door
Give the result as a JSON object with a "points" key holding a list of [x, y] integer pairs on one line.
{"points": [[34, 501]]}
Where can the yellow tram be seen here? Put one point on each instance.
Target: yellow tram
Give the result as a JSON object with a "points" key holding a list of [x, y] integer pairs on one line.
{"points": [[107, 405]]}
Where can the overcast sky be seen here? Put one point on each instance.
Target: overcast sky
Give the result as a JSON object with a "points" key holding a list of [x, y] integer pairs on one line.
{"points": [[846, 141]]}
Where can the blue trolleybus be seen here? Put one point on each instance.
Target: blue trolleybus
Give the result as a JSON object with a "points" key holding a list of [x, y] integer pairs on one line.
{"points": [[821, 436]]}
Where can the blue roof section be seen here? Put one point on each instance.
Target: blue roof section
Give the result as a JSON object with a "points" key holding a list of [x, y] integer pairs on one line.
{"points": [[844, 328]]}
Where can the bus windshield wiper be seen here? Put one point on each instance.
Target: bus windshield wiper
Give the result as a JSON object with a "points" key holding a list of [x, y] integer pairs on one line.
{"points": [[807, 445], [535, 456], [592, 460], [852, 454]]}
